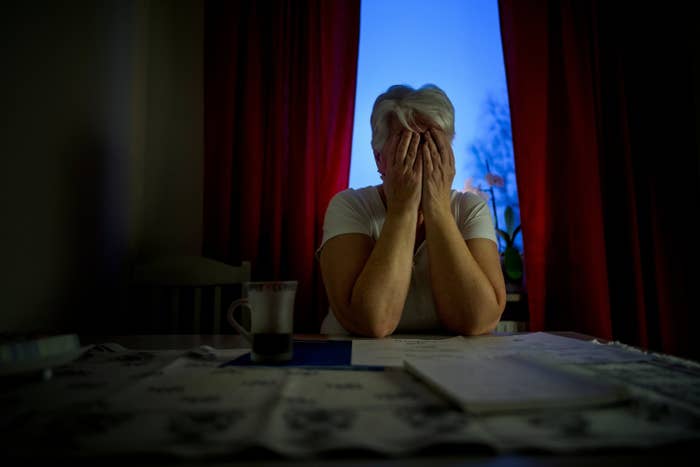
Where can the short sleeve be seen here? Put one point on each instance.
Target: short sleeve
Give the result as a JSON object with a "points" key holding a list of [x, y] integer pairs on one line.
{"points": [[345, 214], [474, 216]]}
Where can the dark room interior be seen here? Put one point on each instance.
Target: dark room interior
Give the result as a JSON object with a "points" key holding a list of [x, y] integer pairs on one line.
{"points": [[136, 130]]}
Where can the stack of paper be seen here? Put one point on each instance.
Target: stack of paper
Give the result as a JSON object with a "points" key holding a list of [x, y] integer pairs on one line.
{"points": [[511, 382]]}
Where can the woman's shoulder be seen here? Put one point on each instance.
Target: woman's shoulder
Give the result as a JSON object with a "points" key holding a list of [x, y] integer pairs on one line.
{"points": [[356, 197], [466, 200], [368, 192], [353, 211], [473, 215]]}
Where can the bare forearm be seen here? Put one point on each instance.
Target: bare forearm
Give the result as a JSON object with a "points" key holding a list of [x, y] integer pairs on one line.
{"points": [[465, 299], [380, 292]]}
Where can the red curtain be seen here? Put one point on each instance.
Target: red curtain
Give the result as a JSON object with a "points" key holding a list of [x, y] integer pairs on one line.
{"points": [[279, 102], [605, 135]]}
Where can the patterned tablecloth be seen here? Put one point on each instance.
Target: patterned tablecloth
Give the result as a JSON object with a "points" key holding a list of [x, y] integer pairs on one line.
{"points": [[195, 404]]}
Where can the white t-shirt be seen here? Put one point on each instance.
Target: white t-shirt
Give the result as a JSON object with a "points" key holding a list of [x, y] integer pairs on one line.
{"points": [[362, 211]]}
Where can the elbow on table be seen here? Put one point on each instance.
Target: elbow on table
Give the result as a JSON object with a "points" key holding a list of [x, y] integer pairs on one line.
{"points": [[484, 324], [379, 328], [478, 329], [381, 331], [375, 331], [372, 326]]}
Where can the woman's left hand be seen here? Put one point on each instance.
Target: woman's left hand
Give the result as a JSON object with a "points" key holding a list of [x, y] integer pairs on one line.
{"points": [[438, 172]]}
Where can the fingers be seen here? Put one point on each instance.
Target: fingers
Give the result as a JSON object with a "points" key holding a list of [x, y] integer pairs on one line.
{"points": [[427, 158], [418, 163], [412, 151], [402, 148], [440, 144], [432, 151]]}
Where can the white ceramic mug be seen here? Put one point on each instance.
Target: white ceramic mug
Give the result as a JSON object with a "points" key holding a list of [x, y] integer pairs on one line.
{"points": [[271, 308]]}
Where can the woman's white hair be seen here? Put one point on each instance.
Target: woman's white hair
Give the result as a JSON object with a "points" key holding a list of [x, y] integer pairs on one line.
{"points": [[406, 104]]}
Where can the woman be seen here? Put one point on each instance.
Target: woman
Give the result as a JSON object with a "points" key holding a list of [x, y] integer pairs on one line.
{"points": [[411, 255]]}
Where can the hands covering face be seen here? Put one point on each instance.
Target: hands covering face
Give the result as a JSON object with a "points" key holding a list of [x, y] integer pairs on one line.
{"points": [[418, 170], [438, 171]]}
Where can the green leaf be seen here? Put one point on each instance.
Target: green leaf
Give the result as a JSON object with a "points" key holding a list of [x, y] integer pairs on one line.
{"points": [[513, 264], [516, 232], [510, 219], [506, 238]]}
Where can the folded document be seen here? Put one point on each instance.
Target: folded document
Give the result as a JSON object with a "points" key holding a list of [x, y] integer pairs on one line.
{"points": [[512, 382]]}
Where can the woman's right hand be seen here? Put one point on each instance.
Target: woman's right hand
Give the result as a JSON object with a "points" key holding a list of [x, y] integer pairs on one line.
{"points": [[403, 174], [367, 279]]}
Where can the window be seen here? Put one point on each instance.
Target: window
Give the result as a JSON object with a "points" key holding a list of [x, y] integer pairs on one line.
{"points": [[455, 44]]}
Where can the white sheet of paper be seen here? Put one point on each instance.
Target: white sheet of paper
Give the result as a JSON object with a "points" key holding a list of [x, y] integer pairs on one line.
{"points": [[392, 351], [512, 382], [551, 347]]}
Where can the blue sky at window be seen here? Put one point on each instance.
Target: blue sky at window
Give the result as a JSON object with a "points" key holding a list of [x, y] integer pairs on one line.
{"points": [[455, 44]]}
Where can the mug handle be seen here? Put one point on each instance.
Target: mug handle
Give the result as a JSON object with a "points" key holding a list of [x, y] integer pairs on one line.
{"points": [[241, 302]]}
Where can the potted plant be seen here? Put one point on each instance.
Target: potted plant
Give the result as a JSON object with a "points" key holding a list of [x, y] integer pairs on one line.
{"points": [[511, 259]]}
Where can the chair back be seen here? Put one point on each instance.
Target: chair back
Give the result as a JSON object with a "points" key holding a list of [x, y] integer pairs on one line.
{"points": [[184, 294]]}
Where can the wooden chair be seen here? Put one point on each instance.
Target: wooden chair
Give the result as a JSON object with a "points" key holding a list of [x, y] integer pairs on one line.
{"points": [[180, 285]]}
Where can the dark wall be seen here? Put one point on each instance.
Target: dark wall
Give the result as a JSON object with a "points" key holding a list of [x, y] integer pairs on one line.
{"points": [[101, 154]]}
